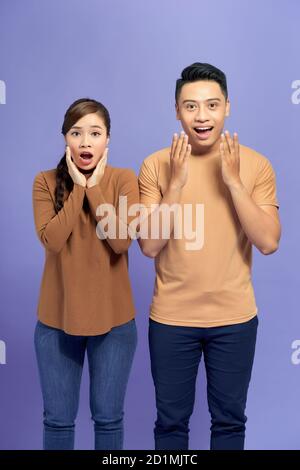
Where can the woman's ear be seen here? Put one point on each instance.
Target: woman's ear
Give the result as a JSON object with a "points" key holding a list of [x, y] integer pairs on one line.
{"points": [[107, 141]]}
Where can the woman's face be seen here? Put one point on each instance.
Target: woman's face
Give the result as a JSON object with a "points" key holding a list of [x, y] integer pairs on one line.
{"points": [[87, 140]]}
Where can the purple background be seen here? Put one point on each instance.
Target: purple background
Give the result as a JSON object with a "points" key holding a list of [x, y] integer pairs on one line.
{"points": [[128, 55]]}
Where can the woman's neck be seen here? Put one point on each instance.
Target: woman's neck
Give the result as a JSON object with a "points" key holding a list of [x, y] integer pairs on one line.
{"points": [[86, 173]]}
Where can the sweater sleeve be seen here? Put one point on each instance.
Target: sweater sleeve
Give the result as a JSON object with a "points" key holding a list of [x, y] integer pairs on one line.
{"points": [[53, 229], [120, 217]]}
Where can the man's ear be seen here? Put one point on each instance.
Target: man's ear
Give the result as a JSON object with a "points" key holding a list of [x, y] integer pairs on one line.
{"points": [[227, 110], [177, 111]]}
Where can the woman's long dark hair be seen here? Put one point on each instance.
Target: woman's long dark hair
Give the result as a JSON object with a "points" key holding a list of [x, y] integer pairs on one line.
{"points": [[76, 111]]}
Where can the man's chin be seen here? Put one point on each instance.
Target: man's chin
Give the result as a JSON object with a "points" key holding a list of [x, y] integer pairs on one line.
{"points": [[204, 144]]}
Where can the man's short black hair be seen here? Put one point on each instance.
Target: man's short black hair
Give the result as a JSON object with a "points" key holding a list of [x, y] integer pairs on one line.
{"points": [[199, 71]]}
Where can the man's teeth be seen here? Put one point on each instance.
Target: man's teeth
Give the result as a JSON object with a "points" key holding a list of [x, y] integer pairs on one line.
{"points": [[202, 129]]}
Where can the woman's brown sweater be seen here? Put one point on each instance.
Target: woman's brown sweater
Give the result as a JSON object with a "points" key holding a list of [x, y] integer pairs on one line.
{"points": [[85, 288]]}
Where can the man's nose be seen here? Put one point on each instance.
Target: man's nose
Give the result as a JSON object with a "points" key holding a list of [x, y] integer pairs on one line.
{"points": [[201, 114]]}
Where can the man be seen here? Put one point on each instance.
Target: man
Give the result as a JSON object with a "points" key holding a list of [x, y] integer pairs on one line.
{"points": [[203, 298]]}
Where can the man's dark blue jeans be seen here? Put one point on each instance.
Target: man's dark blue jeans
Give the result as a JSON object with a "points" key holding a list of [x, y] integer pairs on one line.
{"points": [[175, 356]]}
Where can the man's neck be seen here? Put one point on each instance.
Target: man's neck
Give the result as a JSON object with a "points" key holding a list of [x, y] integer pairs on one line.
{"points": [[207, 152]]}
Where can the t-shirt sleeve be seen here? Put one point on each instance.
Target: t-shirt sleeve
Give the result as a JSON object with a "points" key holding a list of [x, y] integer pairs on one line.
{"points": [[264, 191], [148, 184]]}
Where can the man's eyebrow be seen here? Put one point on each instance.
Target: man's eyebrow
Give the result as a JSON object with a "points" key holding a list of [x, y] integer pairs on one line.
{"points": [[194, 101], [78, 127]]}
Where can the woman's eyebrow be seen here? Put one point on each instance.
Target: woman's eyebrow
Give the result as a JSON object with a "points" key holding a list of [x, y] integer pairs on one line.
{"points": [[78, 127]]}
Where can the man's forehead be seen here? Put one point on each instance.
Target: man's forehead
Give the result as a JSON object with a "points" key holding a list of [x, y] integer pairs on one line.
{"points": [[201, 91]]}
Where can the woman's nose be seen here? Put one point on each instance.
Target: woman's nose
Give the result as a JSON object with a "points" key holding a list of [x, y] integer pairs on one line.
{"points": [[84, 140]]}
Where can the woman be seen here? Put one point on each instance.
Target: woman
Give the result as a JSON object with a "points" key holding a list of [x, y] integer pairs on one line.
{"points": [[85, 301]]}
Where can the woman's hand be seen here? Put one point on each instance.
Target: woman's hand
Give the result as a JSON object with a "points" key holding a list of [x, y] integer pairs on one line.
{"points": [[98, 172], [77, 177]]}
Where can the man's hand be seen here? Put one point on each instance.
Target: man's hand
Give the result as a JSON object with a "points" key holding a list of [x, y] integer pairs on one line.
{"points": [[75, 174], [98, 171], [179, 158], [230, 159]]}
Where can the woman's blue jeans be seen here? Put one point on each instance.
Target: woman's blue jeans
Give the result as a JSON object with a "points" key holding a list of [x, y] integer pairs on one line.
{"points": [[60, 358]]}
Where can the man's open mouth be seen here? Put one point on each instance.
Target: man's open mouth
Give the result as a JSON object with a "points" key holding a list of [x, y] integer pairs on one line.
{"points": [[203, 132]]}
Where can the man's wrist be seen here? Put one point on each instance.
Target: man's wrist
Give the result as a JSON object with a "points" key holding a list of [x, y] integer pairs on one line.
{"points": [[236, 186], [175, 187]]}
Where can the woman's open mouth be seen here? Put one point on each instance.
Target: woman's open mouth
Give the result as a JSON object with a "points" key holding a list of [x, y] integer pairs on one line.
{"points": [[86, 158], [203, 133]]}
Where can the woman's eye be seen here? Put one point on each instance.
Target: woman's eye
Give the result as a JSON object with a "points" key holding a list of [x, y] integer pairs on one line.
{"points": [[96, 133], [74, 132]]}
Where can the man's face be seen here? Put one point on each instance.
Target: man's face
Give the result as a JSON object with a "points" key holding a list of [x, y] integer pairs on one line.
{"points": [[202, 110], [87, 140]]}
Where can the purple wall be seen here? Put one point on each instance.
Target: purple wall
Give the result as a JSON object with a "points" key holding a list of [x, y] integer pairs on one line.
{"points": [[128, 55]]}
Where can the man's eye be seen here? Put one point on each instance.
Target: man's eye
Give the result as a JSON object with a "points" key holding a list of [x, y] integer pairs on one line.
{"points": [[213, 105], [190, 106]]}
